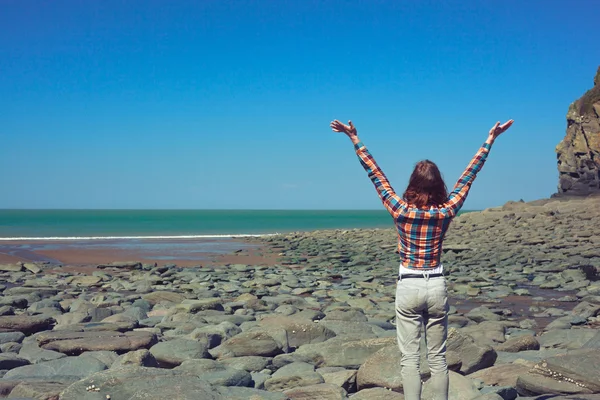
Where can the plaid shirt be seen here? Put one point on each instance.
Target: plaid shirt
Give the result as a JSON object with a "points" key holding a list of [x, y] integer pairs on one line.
{"points": [[421, 231]]}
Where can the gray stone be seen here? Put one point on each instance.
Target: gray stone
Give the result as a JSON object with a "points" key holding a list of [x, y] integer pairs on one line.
{"points": [[501, 375], [173, 352], [7, 337], [11, 267], [382, 369], [344, 378], [32, 352], [38, 390], [482, 313], [137, 383], [519, 343], [299, 331], [251, 343], [504, 392], [248, 363], [293, 375], [215, 373], [215, 334], [74, 343], [377, 394], [25, 324], [11, 360], [323, 391], [139, 358], [341, 352], [566, 338], [594, 342], [460, 388], [472, 355]]}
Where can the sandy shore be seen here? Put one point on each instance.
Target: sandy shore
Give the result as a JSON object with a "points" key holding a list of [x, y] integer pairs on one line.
{"points": [[181, 252]]}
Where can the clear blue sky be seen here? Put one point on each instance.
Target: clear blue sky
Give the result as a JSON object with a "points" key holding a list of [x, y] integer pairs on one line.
{"points": [[227, 104]]}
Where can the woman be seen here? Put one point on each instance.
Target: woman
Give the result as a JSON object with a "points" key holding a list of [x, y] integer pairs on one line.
{"points": [[422, 216]]}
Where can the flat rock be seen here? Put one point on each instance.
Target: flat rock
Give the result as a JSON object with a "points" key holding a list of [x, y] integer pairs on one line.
{"points": [[25, 323], [67, 367], [250, 343], [38, 390], [7, 337], [323, 391], [482, 313], [377, 394], [137, 383], [215, 373], [501, 375], [341, 352], [244, 393], [194, 306], [173, 352], [32, 352], [248, 363], [84, 280], [594, 342], [520, 343], [533, 384], [299, 331], [11, 360], [293, 375], [122, 265], [566, 338], [11, 267], [581, 366], [163, 297], [74, 343], [140, 358]]}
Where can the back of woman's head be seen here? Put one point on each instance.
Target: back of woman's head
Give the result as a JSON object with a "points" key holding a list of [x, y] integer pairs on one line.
{"points": [[426, 187]]}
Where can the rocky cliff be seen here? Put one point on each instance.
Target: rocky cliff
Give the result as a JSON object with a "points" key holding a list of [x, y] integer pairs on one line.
{"points": [[579, 152]]}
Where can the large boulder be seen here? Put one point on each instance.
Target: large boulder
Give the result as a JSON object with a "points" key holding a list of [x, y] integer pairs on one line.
{"points": [[472, 355], [579, 152]]}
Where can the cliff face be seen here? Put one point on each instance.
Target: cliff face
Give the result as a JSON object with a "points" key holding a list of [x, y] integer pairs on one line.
{"points": [[579, 152]]}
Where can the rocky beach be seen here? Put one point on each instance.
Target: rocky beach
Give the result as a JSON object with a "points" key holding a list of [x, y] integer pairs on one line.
{"points": [[310, 315], [319, 322]]}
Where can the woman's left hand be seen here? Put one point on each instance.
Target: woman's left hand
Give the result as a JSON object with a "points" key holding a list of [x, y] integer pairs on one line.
{"points": [[349, 129]]}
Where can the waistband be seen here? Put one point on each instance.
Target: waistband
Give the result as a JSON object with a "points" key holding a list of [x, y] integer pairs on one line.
{"points": [[425, 275]]}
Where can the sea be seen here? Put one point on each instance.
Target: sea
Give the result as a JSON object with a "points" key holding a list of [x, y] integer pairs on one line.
{"points": [[173, 224]]}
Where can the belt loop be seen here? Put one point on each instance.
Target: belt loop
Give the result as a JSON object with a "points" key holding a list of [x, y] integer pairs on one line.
{"points": [[426, 275], [399, 276]]}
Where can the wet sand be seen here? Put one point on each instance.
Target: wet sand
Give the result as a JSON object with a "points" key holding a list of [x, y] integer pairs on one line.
{"points": [[182, 252]]}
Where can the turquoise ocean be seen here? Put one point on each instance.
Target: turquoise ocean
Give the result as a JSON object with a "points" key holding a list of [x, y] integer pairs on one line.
{"points": [[172, 224]]}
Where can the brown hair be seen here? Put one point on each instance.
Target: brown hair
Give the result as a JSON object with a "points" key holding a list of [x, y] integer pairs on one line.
{"points": [[426, 187]]}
